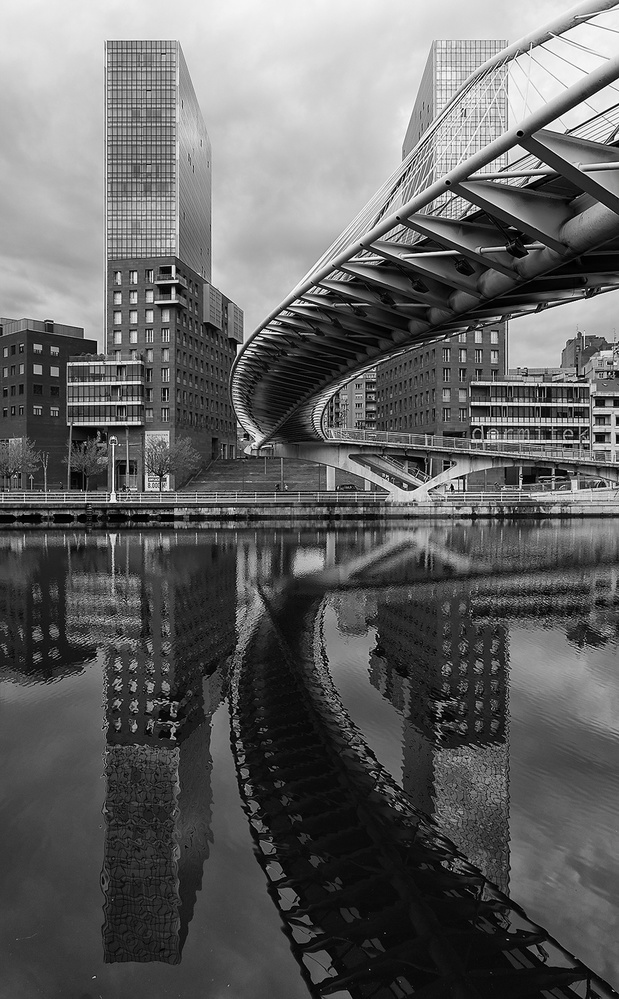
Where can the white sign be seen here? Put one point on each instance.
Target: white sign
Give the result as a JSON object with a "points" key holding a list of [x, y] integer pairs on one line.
{"points": [[151, 483]]}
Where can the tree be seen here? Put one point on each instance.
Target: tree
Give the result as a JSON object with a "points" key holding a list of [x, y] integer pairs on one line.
{"points": [[18, 457], [87, 457], [162, 458]]}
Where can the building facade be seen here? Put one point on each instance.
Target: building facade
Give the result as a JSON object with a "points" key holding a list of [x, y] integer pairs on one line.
{"points": [[427, 389], [35, 355], [171, 337], [578, 351], [354, 406]]}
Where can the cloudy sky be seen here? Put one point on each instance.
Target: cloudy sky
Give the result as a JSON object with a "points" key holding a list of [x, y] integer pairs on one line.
{"points": [[306, 104]]}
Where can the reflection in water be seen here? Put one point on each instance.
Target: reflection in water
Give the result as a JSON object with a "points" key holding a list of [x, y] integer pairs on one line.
{"points": [[165, 620], [373, 895]]}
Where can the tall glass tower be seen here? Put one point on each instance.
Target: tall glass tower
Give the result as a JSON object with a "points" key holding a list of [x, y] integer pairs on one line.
{"points": [[158, 164]]}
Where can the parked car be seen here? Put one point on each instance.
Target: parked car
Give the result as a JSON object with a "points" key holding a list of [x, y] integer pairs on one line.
{"points": [[346, 487]]}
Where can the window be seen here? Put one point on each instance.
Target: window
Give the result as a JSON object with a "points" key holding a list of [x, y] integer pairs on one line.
{"points": [[149, 355], [478, 374], [165, 394], [150, 295], [21, 410], [462, 355], [117, 318], [165, 334], [117, 355], [54, 390], [21, 348], [37, 389], [149, 393], [165, 414], [133, 277], [446, 395], [149, 336], [5, 351], [149, 275], [133, 298], [462, 415], [118, 277], [54, 371], [446, 374], [148, 374], [5, 412], [37, 410], [479, 356], [446, 353], [117, 298], [5, 372], [133, 316], [462, 375], [149, 316], [118, 337], [13, 369], [54, 351], [461, 395], [21, 389], [12, 410], [494, 336], [461, 337], [37, 348], [446, 415], [165, 353], [478, 336], [165, 374], [37, 369], [165, 318], [54, 411], [494, 357], [133, 336], [149, 413]]}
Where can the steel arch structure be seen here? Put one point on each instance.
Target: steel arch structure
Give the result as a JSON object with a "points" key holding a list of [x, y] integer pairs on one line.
{"points": [[527, 221]]}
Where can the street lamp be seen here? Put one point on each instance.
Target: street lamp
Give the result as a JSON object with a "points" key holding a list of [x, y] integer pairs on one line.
{"points": [[113, 441]]}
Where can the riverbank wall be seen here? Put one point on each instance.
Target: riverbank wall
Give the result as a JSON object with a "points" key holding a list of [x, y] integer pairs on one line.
{"points": [[179, 510]]}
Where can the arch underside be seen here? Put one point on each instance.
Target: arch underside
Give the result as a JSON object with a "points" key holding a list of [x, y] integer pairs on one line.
{"points": [[527, 223]]}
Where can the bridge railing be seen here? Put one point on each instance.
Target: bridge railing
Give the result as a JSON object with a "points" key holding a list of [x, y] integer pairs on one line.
{"points": [[439, 443]]}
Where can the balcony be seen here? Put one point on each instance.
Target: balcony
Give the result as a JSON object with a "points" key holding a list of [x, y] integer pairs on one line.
{"points": [[172, 299], [167, 278]]}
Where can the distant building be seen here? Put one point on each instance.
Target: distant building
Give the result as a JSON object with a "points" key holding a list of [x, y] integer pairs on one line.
{"points": [[34, 395], [354, 406], [605, 418], [580, 348]]}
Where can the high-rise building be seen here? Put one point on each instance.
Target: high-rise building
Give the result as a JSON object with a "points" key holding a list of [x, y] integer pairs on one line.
{"points": [[354, 406], [427, 389], [162, 312]]}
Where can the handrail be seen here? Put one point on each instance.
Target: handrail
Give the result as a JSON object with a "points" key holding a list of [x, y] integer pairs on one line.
{"points": [[439, 443]]}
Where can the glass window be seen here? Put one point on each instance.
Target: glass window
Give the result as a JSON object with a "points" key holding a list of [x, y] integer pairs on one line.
{"points": [[149, 336], [165, 353], [37, 410], [118, 277], [461, 337], [133, 316], [133, 298], [118, 337], [149, 275], [165, 394], [479, 356], [133, 336], [463, 413], [5, 351], [447, 414], [118, 298], [117, 318], [149, 413], [494, 336], [37, 348], [165, 335], [446, 395], [447, 353], [494, 357], [54, 351], [165, 414], [149, 316], [54, 371], [22, 369], [478, 336], [37, 369], [133, 277], [446, 374], [462, 355], [21, 348], [150, 295], [54, 411], [165, 316], [165, 374]]}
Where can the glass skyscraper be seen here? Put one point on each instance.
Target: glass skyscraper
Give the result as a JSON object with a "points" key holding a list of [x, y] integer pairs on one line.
{"points": [[158, 165]]}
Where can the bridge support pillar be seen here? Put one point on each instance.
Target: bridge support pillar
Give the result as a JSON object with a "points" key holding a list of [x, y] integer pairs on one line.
{"points": [[330, 477]]}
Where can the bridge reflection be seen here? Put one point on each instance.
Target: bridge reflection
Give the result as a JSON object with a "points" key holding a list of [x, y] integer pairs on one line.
{"points": [[375, 897]]}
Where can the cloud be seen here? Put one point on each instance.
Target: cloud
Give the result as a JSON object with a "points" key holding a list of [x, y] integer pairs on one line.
{"points": [[306, 104]]}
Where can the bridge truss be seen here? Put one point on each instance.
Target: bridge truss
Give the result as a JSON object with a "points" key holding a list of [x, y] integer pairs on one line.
{"points": [[525, 222]]}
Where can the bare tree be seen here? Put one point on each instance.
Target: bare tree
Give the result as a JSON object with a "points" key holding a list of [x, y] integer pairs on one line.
{"points": [[162, 458], [87, 457], [18, 457], [44, 459]]}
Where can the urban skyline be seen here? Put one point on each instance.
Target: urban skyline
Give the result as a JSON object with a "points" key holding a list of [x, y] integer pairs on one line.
{"points": [[277, 201]]}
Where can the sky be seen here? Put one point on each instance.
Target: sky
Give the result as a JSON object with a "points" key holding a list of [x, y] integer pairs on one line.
{"points": [[306, 104]]}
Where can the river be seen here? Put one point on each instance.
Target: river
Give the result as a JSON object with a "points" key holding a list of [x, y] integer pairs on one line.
{"points": [[478, 664]]}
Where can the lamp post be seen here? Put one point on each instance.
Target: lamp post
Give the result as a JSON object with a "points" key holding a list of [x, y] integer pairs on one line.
{"points": [[113, 441]]}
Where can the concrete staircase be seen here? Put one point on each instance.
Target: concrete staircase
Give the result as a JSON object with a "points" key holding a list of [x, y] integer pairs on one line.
{"points": [[263, 475]]}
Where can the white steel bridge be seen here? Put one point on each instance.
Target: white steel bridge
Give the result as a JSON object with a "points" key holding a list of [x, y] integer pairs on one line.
{"points": [[523, 223]]}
